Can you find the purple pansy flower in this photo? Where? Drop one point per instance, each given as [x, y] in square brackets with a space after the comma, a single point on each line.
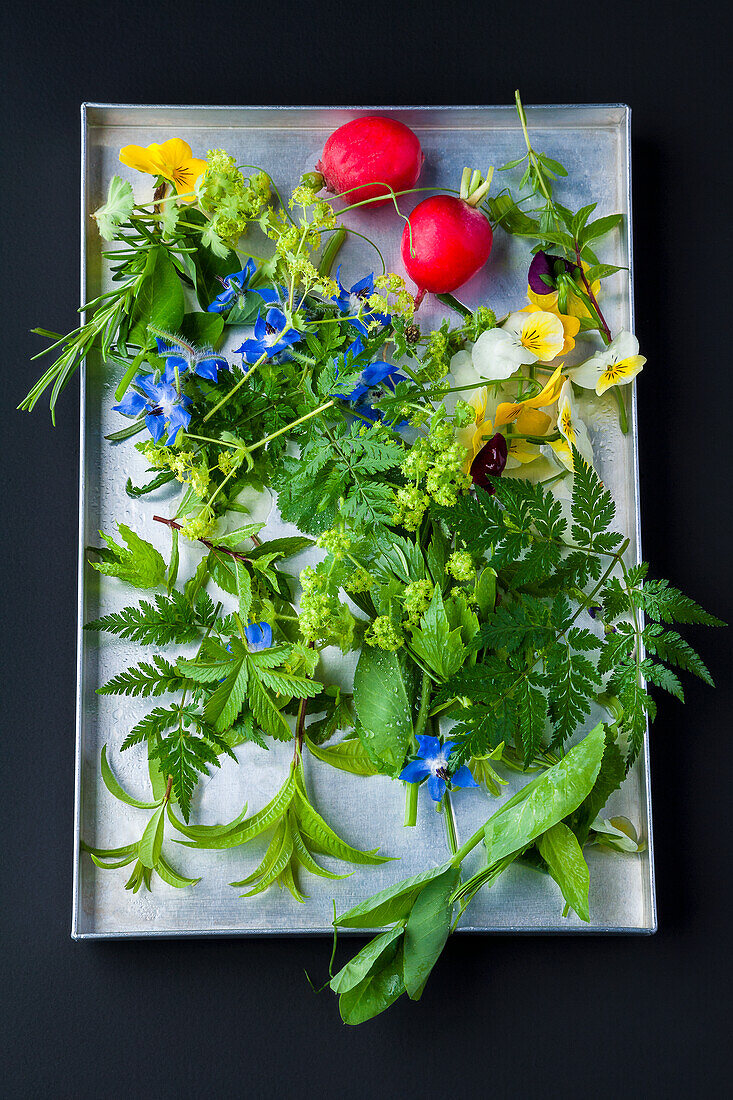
[236, 285]
[259, 636]
[432, 764]
[164, 408]
[542, 268]
[354, 302]
[489, 462]
[270, 337]
[181, 357]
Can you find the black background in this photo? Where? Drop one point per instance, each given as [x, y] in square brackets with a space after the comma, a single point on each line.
[601, 1017]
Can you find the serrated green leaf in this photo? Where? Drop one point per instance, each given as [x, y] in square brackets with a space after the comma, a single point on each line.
[348, 756]
[140, 564]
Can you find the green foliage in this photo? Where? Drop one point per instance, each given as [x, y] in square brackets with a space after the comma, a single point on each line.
[172, 618]
[140, 564]
[383, 709]
[565, 862]
[159, 298]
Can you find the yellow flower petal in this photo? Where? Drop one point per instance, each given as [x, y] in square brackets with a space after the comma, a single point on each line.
[143, 160]
[175, 152]
[532, 421]
[618, 374]
[521, 452]
[542, 334]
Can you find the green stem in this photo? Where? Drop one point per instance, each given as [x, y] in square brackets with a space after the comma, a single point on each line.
[242, 380]
[294, 424]
[453, 303]
[331, 251]
[411, 790]
[622, 421]
[423, 713]
[450, 823]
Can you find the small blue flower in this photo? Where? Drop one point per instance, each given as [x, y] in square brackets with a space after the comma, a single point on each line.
[259, 636]
[237, 284]
[375, 376]
[182, 357]
[354, 303]
[164, 408]
[432, 764]
[270, 337]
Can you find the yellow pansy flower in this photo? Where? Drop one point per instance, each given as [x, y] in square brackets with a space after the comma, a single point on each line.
[510, 411]
[172, 160]
[570, 324]
[475, 434]
[521, 452]
[570, 426]
[615, 365]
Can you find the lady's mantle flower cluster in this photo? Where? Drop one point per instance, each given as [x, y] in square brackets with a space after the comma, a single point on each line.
[324, 619]
[181, 463]
[230, 199]
[437, 460]
[384, 634]
[415, 603]
[461, 566]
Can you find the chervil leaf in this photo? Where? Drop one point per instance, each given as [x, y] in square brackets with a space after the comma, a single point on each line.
[592, 508]
[661, 601]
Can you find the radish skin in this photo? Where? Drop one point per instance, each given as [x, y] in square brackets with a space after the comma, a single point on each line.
[446, 241]
[367, 152]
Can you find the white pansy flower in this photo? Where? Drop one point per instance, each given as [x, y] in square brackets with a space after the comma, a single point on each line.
[524, 338]
[571, 428]
[615, 365]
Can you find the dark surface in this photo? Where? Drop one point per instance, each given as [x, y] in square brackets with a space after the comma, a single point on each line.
[504, 1017]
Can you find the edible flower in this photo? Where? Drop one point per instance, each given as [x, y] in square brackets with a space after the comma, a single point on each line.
[354, 303]
[259, 636]
[523, 338]
[181, 357]
[432, 764]
[273, 334]
[477, 431]
[571, 427]
[172, 160]
[546, 297]
[615, 365]
[236, 285]
[489, 462]
[373, 376]
[529, 420]
[165, 409]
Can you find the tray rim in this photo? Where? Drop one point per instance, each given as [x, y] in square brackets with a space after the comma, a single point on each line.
[86, 109]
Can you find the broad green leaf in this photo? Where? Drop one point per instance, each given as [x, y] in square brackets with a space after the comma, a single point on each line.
[172, 877]
[151, 841]
[117, 209]
[140, 564]
[383, 708]
[562, 854]
[266, 714]
[381, 988]
[427, 930]
[486, 590]
[203, 330]
[119, 792]
[366, 960]
[441, 648]
[391, 904]
[232, 540]
[159, 300]
[545, 800]
[348, 756]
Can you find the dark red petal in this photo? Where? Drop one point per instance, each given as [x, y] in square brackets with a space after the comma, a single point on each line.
[490, 461]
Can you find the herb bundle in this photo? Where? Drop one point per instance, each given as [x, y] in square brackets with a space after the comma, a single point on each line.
[464, 544]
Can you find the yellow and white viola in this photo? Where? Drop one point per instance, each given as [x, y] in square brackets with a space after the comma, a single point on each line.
[476, 432]
[523, 339]
[615, 365]
[572, 429]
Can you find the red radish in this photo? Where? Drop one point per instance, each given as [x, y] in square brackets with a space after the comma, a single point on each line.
[367, 152]
[447, 239]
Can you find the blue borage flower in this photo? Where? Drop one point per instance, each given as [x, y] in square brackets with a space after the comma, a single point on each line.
[164, 408]
[259, 636]
[235, 287]
[181, 357]
[270, 337]
[354, 303]
[374, 375]
[432, 764]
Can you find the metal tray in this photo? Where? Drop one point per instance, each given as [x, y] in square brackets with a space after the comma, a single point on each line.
[593, 142]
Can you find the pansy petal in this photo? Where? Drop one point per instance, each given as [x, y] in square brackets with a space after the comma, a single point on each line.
[587, 374]
[532, 421]
[620, 374]
[142, 160]
[497, 355]
[542, 334]
[623, 346]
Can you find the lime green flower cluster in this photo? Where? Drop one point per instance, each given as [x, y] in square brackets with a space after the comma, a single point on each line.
[391, 296]
[324, 619]
[230, 199]
[200, 526]
[384, 634]
[182, 463]
[336, 540]
[438, 461]
[460, 565]
[295, 242]
[481, 320]
[415, 602]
